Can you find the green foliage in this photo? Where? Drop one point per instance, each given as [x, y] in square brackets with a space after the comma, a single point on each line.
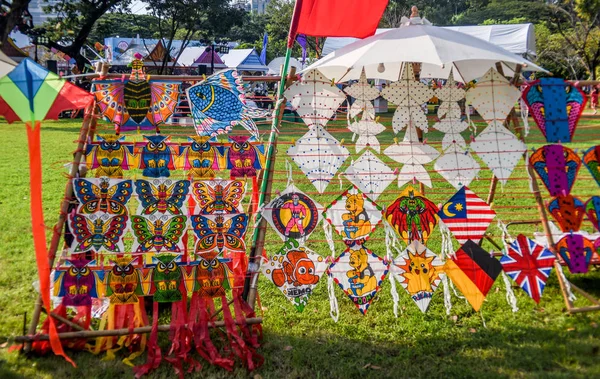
[124, 25]
[501, 11]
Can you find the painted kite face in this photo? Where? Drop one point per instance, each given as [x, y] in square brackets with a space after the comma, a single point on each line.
[156, 143]
[110, 142]
[240, 144]
[78, 283]
[167, 278]
[200, 143]
[123, 282]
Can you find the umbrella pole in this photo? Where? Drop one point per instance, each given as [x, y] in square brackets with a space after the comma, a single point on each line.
[57, 230]
[258, 238]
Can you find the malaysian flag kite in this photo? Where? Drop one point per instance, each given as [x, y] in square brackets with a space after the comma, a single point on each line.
[529, 265]
[466, 215]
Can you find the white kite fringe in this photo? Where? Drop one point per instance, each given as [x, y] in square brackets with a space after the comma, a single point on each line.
[334, 309]
[524, 117]
[446, 250]
[568, 289]
[447, 296]
[391, 241]
[510, 295]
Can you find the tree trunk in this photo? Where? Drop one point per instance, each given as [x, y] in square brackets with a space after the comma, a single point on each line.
[12, 18]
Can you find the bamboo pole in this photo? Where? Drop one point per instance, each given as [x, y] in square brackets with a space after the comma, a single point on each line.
[64, 320]
[89, 123]
[121, 332]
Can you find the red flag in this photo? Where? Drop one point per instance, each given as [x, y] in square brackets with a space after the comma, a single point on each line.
[336, 18]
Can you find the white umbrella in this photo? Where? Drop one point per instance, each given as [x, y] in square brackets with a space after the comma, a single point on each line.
[437, 48]
[6, 64]
[275, 65]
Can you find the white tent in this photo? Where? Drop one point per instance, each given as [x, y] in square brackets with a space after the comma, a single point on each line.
[6, 64]
[516, 38]
[244, 60]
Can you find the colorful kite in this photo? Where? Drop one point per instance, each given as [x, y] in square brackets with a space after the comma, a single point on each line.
[136, 103]
[98, 232]
[293, 214]
[366, 129]
[296, 271]
[556, 107]
[592, 210]
[557, 166]
[315, 98]
[499, 149]
[591, 158]
[370, 175]
[457, 166]
[413, 154]
[219, 232]
[244, 156]
[319, 155]
[353, 215]
[363, 93]
[156, 233]
[162, 196]
[219, 103]
[218, 196]
[529, 265]
[412, 216]
[473, 270]
[77, 282]
[156, 156]
[359, 273]
[408, 94]
[493, 96]
[419, 271]
[466, 215]
[577, 251]
[102, 195]
[201, 157]
[31, 93]
[568, 211]
[109, 156]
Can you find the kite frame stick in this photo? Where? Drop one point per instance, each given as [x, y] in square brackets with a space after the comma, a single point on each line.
[88, 126]
[121, 332]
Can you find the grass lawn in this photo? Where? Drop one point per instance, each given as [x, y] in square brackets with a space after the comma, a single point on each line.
[537, 341]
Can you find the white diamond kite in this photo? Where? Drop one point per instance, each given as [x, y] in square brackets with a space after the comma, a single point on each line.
[449, 114]
[319, 155]
[314, 98]
[499, 149]
[494, 96]
[408, 94]
[363, 93]
[457, 166]
[370, 175]
[419, 271]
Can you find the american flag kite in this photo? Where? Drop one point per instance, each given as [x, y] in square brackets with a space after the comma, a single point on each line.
[529, 265]
[466, 215]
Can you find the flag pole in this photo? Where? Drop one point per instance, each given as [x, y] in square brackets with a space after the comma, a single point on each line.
[258, 237]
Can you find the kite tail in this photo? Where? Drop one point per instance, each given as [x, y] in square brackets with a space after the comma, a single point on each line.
[154, 353]
[334, 310]
[447, 298]
[510, 295]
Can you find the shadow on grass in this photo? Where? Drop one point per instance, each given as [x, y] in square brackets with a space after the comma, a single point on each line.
[487, 352]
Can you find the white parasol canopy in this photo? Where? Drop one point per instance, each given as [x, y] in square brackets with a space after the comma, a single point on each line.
[437, 48]
[275, 65]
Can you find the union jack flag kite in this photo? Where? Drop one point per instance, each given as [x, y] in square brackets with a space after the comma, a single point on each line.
[529, 265]
[466, 215]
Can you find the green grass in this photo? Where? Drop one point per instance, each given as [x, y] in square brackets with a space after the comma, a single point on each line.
[539, 340]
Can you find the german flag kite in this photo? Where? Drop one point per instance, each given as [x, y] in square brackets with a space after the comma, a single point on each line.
[473, 271]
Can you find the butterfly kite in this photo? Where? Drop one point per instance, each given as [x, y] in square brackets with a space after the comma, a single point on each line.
[158, 233]
[136, 103]
[556, 107]
[103, 195]
[162, 196]
[219, 103]
[218, 196]
[98, 232]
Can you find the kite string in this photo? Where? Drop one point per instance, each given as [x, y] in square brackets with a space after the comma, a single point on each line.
[334, 310]
[391, 241]
[447, 249]
[568, 289]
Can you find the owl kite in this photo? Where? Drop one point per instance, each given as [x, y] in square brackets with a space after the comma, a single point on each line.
[109, 156]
